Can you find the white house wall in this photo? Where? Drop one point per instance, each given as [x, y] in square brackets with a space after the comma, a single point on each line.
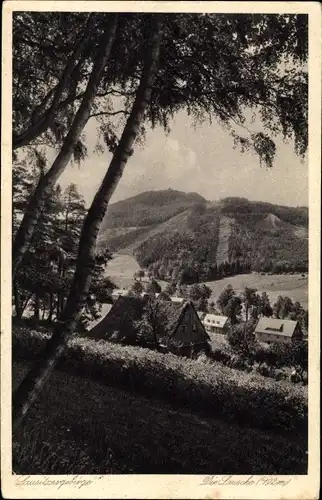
[271, 337]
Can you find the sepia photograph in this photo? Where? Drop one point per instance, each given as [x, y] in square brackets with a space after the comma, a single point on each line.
[160, 243]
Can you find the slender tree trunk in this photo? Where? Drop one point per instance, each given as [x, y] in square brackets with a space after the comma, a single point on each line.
[61, 302]
[61, 272]
[58, 306]
[29, 221]
[67, 211]
[51, 307]
[32, 385]
[36, 308]
[46, 117]
[18, 309]
[25, 304]
[66, 219]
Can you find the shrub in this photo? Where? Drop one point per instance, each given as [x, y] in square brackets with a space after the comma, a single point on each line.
[220, 354]
[27, 343]
[279, 375]
[241, 338]
[295, 377]
[209, 387]
[263, 355]
[263, 370]
[237, 362]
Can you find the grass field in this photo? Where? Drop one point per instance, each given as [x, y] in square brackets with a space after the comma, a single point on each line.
[80, 426]
[121, 269]
[294, 286]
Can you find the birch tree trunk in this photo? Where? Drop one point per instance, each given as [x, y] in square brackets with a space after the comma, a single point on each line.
[32, 385]
[46, 183]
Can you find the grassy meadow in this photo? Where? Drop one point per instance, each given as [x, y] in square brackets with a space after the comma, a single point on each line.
[121, 269]
[120, 409]
[81, 426]
[295, 286]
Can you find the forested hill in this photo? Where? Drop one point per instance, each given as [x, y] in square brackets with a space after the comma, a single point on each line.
[182, 236]
[148, 208]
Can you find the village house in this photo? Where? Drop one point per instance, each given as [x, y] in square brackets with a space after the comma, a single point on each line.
[215, 323]
[142, 279]
[177, 326]
[177, 300]
[119, 292]
[270, 330]
[146, 294]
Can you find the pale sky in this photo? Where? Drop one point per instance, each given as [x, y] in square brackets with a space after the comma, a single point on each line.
[202, 160]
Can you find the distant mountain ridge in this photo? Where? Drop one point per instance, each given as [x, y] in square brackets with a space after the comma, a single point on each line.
[173, 233]
[148, 208]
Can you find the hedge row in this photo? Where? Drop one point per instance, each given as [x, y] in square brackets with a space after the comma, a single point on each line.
[201, 384]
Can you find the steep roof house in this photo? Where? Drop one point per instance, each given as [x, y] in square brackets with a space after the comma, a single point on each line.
[187, 335]
[118, 325]
[277, 330]
[177, 327]
[214, 323]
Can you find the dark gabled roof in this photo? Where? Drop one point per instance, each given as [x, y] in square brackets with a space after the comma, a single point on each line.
[104, 311]
[120, 323]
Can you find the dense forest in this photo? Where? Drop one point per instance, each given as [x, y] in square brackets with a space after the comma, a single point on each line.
[187, 255]
[260, 240]
[276, 252]
[42, 284]
[244, 210]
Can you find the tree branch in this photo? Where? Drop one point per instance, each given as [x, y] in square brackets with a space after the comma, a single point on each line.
[43, 46]
[110, 113]
[70, 99]
[47, 117]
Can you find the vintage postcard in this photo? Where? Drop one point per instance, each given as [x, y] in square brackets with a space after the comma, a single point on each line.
[160, 250]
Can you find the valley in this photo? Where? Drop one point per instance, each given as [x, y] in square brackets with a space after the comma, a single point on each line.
[122, 267]
[184, 238]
